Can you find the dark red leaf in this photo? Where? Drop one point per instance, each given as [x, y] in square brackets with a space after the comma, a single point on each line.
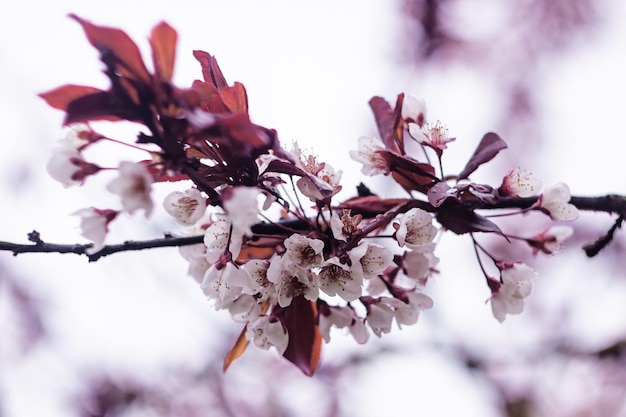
[163, 42]
[61, 97]
[101, 105]
[283, 167]
[210, 69]
[384, 116]
[410, 174]
[371, 205]
[305, 341]
[459, 219]
[438, 193]
[488, 148]
[111, 40]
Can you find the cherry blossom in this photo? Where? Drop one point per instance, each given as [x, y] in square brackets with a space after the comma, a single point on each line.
[408, 312]
[519, 183]
[245, 308]
[321, 181]
[336, 278]
[434, 136]
[218, 239]
[290, 281]
[508, 295]
[241, 206]
[266, 332]
[413, 110]
[555, 201]
[369, 154]
[342, 317]
[419, 264]
[304, 252]
[224, 283]
[371, 258]
[380, 316]
[67, 164]
[346, 225]
[187, 207]
[134, 185]
[94, 225]
[549, 241]
[258, 284]
[415, 228]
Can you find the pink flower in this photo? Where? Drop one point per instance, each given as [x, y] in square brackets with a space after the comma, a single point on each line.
[94, 225]
[519, 183]
[415, 228]
[549, 241]
[434, 136]
[555, 201]
[508, 295]
[134, 185]
[369, 154]
[187, 207]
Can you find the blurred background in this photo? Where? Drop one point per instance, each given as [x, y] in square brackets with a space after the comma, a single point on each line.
[132, 335]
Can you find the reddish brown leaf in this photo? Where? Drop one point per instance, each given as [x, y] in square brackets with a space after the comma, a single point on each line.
[372, 205]
[210, 69]
[61, 97]
[236, 351]
[305, 341]
[101, 105]
[459, 219]
[235, 98]
[488, 148]
[163, 42]
[410, 174]
[111, 40]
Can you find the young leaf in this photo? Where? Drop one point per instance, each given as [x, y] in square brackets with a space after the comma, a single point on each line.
[488, 148]
[210, 69]
[111, 40]
[61, 97]
[163, 42]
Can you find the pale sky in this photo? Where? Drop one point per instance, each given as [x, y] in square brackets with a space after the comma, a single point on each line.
[309, 70]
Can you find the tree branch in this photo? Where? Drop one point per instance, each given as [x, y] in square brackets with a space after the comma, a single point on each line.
[612, 204]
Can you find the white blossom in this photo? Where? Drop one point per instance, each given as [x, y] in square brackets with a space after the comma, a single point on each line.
[242, 208]
[380, 317]
[290, 281]
[217, 238]
[515, 286]
[413, 109]
[303, 251]
[336, 278]
[369, 154]
[555, 200]
[342, 317]
[224, 284]
[407, 313]
[134, 185]
[519, 183]
[415, 228]
[266, 332]
[94, 225]
[187, 207]
[372, 259]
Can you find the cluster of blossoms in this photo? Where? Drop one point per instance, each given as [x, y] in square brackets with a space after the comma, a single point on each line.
[292, 276]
